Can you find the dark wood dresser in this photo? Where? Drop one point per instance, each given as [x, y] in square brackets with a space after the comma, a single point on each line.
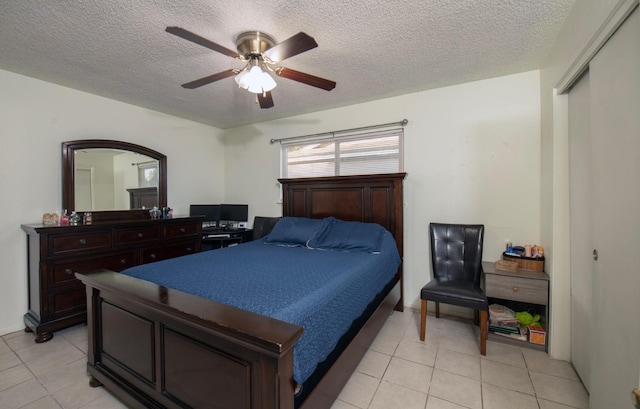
[55, 253]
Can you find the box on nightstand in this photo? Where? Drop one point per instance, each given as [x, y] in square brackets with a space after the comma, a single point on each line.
[526, 263]
[504, 265]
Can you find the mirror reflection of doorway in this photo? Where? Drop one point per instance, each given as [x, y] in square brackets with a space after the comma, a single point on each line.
[84, 189]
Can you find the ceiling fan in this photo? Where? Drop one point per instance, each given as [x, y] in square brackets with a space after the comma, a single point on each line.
[261, 54]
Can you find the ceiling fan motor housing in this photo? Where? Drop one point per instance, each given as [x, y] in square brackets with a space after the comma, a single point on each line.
[253, 43]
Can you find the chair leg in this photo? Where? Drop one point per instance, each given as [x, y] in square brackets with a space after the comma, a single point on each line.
[476, 317]
[437, 309]
[423, 319]
[484, 332]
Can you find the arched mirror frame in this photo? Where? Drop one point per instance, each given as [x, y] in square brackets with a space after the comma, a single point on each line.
[68, 176]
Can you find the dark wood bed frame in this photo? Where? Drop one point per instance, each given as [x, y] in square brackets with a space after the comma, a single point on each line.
[155, 347]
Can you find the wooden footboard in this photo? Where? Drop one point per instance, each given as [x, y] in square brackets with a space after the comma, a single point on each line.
[156, 347]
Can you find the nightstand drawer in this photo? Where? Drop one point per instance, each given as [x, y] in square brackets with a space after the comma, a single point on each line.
[517, 289]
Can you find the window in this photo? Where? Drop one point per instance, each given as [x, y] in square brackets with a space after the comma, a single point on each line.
[370, 153]
[148, 174]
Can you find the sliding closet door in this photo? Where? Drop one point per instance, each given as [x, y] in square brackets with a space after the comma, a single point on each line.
[581, 190]
[615, 134]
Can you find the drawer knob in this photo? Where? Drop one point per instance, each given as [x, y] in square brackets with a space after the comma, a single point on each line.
[123, 261]
[516, 289]
[182, 230]
[68, 271]
[152, 255]
[140, 235]
[189, 249]
[83, 241]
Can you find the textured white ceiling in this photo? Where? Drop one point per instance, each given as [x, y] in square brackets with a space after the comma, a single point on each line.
[372, 49]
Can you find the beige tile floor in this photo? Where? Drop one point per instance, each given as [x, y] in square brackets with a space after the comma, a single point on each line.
[398, 372]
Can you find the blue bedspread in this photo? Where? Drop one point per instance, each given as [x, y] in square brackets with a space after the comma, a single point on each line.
[321, 290]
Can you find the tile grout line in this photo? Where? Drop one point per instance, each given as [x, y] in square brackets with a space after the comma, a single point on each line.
[35, 377]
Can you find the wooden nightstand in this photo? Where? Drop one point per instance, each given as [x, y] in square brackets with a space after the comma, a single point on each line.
[519, 291]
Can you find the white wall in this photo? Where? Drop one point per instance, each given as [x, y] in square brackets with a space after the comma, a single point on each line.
[36, 117]
[472, 155]
[583, 24]
[126, 177]
[101, 185]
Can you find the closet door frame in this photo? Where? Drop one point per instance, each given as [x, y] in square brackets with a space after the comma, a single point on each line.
[581, 220]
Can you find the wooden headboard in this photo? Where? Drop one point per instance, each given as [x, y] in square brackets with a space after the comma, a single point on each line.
[363, 198]
[366, 198]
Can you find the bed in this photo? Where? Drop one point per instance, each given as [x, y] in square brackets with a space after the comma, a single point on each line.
[153, 345]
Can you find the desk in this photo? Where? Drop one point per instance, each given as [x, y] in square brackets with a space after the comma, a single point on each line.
[216, 239]
[519, 291]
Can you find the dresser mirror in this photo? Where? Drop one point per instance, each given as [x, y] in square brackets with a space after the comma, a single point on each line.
[112, 179]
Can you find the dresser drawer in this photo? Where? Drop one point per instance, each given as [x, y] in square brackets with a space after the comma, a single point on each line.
[63, 303]
[517, 289]
[169, 251]
[173, 231]
[80, 242]
[138, 235]
[64, 272]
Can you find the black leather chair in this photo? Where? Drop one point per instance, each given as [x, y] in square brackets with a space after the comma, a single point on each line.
[263, 226]
[456, 260]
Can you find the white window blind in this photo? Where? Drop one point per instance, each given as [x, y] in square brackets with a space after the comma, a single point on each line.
[361, 154]
[148, 174]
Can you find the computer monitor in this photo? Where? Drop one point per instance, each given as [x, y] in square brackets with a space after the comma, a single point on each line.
[210, 212]
[236, 213]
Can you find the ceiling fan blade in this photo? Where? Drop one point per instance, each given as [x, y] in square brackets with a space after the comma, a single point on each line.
[188, 35]
[295, 45]
[209, 79]
[306, 78]
[265, 99]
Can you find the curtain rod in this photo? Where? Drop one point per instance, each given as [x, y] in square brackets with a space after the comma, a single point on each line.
[143, 163]
[363, 128]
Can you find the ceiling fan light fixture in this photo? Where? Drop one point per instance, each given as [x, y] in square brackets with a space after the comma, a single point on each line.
[255, 80]
[260, 52]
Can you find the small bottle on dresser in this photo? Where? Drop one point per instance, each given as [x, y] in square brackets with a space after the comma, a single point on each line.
[64, 219]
